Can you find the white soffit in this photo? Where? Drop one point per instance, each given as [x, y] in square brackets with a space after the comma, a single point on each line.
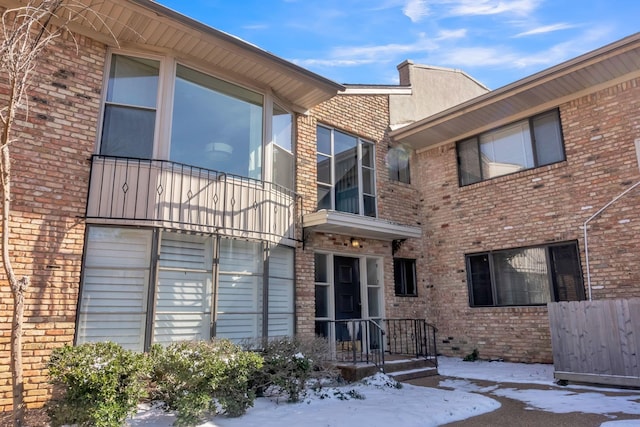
[616, 62]
[327, 221]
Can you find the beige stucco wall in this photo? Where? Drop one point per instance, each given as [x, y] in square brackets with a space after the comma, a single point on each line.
[433, 89]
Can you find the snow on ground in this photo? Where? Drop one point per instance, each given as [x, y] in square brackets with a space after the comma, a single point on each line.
[424, 406]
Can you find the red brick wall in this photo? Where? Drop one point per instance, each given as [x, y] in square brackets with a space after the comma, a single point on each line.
[535, 207]
[366, 116]
[50, 178]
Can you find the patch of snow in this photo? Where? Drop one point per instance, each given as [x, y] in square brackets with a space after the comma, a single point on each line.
[500, 372]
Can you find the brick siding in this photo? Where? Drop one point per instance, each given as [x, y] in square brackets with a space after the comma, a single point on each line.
[534, 207]
[50, 181]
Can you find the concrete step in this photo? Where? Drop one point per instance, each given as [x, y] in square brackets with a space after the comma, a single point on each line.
[411, 374]
[391, 366]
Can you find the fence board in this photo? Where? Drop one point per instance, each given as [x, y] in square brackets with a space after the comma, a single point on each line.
[597, 340]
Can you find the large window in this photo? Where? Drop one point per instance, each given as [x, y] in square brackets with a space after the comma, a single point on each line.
[527, 144]
[162, 109]
[346, 172]
[525, 276]
[135, 299]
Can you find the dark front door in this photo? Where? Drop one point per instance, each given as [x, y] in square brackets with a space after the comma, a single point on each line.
[347, 293]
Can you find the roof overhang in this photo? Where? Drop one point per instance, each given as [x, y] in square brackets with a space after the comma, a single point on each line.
[616, 62]
[328, 221]
[145, 24]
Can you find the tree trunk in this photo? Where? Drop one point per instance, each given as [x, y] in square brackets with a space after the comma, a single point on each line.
[18, 286]
[16, 351]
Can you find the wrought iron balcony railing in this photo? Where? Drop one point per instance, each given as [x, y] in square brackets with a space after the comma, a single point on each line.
[173, 195]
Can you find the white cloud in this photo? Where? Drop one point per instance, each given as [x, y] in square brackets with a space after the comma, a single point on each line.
[546, 29]
[452, 34]
[472, 57]
[386, 51]
[493, 7]
[255, 27]
[415, 10]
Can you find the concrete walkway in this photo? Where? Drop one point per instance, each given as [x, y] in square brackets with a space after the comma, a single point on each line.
[514, 413]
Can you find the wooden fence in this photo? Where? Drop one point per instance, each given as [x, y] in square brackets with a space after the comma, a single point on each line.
[596, 341]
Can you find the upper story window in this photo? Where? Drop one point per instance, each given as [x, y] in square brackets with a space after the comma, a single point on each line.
[526, 144]
[156, 108]
[346, 172]
[398, 164]
[525, 276]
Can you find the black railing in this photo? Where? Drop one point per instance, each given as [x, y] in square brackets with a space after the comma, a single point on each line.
[175, 195]
[354, 340]
[411, 337]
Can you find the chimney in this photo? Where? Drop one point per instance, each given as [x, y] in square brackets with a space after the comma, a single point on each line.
[404, 71]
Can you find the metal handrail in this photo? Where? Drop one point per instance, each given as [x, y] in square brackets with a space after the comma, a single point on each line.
[411, 337]
[176, 195]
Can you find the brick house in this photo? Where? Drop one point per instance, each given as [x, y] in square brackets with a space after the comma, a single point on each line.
[508, 180]
[188, 185]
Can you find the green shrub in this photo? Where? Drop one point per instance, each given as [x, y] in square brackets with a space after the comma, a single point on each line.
[286, 368]
[96, 384]
[201, 379]
[472, 357]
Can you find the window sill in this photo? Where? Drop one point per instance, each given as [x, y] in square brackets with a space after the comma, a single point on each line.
[514, 176]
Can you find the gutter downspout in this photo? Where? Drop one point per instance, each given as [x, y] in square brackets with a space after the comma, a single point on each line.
[586, 243]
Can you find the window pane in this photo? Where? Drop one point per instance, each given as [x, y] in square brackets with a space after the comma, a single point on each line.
[281, 127]
[374, 302]
[567, 276]
[324, 169]
[346, 181]
[324, 140]
[369, 206]
[216, 125]
[343, 143]
[322, 301]
[115, 283]
[240, 293]
[398, 164]
[133, 81]
[281, 284]
[128, 132]
[480, 277]
[506, 150]
[321, 275]
[282, 168]
[367, 154]
[324, 197]
[372, 272]
[468, 157]
[521, 277]
[546, 130]
[184, 288]
[368, 187]
[282, 155]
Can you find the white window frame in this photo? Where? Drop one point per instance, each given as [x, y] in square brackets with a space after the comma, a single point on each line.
[360, 167]
[164, 106]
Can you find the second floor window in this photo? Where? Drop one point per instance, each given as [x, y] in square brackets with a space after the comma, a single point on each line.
[346, 172]
[156, 108]
[526, 144]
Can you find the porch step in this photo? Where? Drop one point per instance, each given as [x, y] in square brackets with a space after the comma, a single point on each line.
[408, 369]
[412, 374]
[399, 369]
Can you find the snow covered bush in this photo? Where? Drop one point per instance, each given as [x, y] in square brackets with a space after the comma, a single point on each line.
[286, 368]
[95, 384]
[203, 378]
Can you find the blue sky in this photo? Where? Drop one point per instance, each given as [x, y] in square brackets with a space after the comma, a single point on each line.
[362, 41]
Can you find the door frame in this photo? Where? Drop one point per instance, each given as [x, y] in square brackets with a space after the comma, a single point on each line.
[363, 288]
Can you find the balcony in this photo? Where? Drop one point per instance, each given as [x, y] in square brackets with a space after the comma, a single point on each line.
[171, 195]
